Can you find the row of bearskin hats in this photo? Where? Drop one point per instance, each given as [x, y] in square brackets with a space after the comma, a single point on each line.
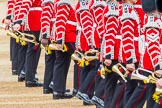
[151, 5]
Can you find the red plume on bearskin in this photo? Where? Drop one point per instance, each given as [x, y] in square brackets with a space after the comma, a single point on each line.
[159, 5]
[148, 5]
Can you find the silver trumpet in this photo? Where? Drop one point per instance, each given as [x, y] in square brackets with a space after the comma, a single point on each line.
[89, 57]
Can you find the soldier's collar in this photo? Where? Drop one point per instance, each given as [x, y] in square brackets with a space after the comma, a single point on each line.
[128, 5]
[113, 3]
[155, 15]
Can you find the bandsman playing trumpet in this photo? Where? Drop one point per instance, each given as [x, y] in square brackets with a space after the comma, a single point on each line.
[130, 29]
[31, 11]
[112, 43]
[152, 51]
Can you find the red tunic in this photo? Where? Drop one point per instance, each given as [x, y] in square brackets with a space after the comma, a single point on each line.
[130, 30]
[152, 32]
[46, 18]
[31, 11]
[96, 9]
[111, 37]
[85, 26]
[65, 23]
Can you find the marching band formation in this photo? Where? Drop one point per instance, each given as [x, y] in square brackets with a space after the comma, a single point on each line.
[115, 45]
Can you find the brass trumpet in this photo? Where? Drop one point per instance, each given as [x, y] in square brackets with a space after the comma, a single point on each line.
[12, 34]
[52, 46]
[78, 56]
[27, 37]
[116, 69]
[88, 55]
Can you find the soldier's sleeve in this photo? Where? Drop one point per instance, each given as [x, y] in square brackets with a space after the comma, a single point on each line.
[24, 10]
[10, 10]
[109, 36]
[62, 14]
[97, 11]
[47, 13]
[152, 31]
[127, 31]
[87, 25]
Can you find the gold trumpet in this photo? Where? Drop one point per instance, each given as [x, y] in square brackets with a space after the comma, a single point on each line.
[78, 56]
[12, 34]
[116, 68]
[27, 37]
[52, 46]
[88, 55]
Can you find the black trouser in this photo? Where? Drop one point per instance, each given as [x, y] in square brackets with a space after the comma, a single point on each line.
[117, 101]
[14, 54]
[99, 87]
[138, 97]
[61, 67]
[114, 89]
[76, 83]
[88, 74]
[135, 93]
[49, 66]
[31, 59]
[21, 58]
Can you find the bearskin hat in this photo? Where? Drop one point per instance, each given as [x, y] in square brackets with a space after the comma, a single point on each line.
[159, 5]
[148, 5]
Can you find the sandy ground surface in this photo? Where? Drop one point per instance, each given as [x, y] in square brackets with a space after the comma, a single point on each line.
[16, 95]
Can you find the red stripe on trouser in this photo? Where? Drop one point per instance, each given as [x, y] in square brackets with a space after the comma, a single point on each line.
[90, 86]
[140, 96]
[78, 77]
[119, 98]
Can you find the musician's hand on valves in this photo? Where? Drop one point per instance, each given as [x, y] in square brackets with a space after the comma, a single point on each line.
[44, 42]
[107, 62]
[130, 67]
[158, 73]
[16, 27]
[59, 46]
[159, 83]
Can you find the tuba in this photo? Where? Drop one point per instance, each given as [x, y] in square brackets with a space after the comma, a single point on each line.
[116, 68]
[91, 55]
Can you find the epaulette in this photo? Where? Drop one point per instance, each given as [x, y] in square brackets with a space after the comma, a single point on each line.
[47, 1]
[68, 2]
[127, 14]
[112, 11]
[151, 22]
[98, 3]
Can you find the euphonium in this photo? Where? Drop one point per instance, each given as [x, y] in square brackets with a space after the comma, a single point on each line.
[89, 55]
[78, 56]
[116, 69]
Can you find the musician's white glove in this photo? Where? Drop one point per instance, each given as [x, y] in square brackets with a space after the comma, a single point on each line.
[16, 27]
[107, 62]
[44, 42]
[159, 83]
[130, 67]
[6, 23]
